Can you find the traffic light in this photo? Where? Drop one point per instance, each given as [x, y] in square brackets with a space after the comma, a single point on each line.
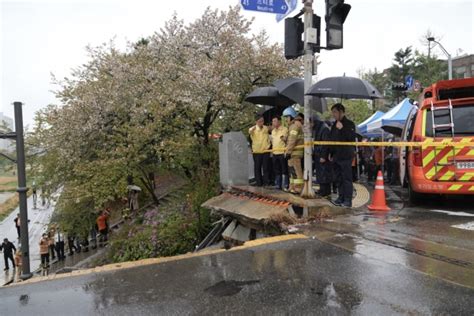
[336, 13]
[294, 43]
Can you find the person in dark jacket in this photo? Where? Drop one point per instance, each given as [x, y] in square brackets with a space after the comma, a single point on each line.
[17, 224]
[322, 164]
[8, 248]
[343, 130]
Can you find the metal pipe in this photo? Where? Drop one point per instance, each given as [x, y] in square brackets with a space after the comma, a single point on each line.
[22, 189]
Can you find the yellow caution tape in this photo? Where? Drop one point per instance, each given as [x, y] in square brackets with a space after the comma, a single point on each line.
[426, 143]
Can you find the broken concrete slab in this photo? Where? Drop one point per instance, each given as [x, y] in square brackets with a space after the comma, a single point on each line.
[315, 207]
[251, 213]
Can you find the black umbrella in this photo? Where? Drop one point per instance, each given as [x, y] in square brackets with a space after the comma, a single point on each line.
[397, 131]
[268, 96]
[293, 88]
[344, 88]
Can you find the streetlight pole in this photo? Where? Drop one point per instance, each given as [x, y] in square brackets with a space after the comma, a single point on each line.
[22, 189]
[450, 62]
[308, 191]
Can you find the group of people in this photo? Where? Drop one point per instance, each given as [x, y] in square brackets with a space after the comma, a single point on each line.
[278, 150]
[51, 245]
[375, 159]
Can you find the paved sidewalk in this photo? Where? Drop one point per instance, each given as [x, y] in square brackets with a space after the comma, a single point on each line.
[39, 220]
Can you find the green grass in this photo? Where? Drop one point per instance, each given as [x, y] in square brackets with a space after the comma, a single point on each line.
[9, 206]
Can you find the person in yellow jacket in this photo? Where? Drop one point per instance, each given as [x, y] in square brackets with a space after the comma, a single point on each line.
[280, 165]
[294, 155]
[260, 137]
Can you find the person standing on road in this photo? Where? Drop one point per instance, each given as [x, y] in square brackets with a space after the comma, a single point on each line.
[44, 250]
[8, 247]
[17, 224]
[322, 164]
[343, 130]
[293, 154]
[280, 166]
[260, 137]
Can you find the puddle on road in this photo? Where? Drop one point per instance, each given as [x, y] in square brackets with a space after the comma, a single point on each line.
[228, 288]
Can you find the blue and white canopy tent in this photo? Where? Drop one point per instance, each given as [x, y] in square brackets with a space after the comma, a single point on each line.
[362, 127]
[394, 120]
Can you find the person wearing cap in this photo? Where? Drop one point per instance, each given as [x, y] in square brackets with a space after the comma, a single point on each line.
[294, 154]
[280, 165]
[259, 134]
[343, 130]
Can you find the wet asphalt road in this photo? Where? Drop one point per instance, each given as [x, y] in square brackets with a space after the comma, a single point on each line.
[410, 261]
[300, 277]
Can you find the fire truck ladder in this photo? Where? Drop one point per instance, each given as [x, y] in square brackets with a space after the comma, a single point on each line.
[438, 128]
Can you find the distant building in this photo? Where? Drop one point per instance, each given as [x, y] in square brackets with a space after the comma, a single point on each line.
[463, 66]
[6, 122]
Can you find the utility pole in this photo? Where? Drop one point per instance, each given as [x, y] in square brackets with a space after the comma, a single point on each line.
[308, 191]
[22, 189]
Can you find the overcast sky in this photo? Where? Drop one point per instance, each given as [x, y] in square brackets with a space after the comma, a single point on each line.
[40, 37]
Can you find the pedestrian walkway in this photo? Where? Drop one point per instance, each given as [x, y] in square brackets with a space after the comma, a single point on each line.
[39, 220]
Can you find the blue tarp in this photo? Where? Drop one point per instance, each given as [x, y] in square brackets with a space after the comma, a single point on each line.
[362, 127]
[394, 118]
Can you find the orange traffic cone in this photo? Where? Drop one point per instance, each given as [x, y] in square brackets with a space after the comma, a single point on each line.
[378, 202]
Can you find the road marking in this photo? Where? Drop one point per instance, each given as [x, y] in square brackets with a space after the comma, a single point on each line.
[454, 213]
[466, 226]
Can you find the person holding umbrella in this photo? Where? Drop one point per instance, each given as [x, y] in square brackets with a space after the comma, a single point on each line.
[343, 130]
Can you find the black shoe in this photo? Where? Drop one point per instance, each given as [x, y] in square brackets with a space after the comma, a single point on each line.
[6, 269]
[337, 202]
[347, 204]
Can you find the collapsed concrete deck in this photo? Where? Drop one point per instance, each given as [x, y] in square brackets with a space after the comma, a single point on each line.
[256, 207]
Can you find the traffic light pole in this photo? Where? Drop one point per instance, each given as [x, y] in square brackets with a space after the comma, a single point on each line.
[308, 191]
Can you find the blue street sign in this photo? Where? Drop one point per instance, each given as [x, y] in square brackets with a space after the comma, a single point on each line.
[409, 81]
[292, 4]
[268, 6]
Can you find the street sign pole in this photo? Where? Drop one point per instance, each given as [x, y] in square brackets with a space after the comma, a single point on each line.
[308, 191]
[22, 189]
